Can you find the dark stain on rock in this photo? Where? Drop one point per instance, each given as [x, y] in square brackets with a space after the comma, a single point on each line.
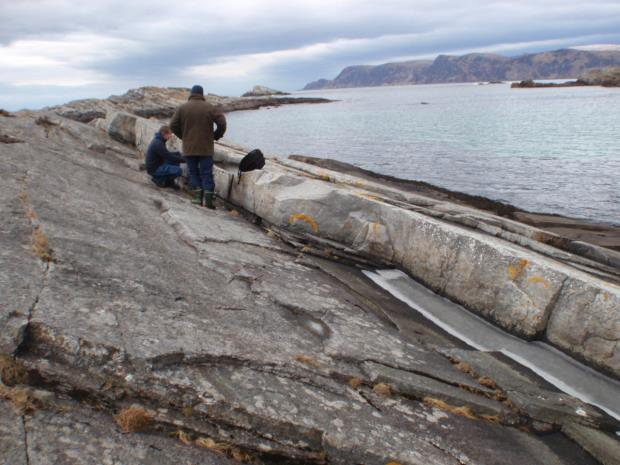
[7, 139]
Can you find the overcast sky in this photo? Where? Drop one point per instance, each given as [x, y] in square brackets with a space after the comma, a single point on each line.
[52, 51]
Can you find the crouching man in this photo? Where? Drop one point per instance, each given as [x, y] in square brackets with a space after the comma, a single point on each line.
[161, 164]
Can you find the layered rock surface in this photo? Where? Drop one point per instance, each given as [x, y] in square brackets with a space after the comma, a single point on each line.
[566, 233]
[505, 271]
[236, 346]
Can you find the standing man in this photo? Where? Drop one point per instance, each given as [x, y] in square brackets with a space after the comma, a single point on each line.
[162, 165]
[193, 123]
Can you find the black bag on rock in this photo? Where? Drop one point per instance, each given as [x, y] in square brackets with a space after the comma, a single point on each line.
[254, 160]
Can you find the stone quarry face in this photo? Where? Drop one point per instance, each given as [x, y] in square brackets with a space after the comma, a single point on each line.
[229, 345]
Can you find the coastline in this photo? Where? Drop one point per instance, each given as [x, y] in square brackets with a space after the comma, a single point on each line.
[525, 155]
[160, 103]
[598, 233]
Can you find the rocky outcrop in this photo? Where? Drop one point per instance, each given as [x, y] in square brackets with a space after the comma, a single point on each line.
[569, 234]
[139, 328]
[160, 103]
[487, 271]
[530, 84]
[607, 77]
[510, 273]
[263, 91]
[474, 67]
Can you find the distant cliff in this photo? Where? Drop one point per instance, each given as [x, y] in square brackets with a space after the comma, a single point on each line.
[473, 67]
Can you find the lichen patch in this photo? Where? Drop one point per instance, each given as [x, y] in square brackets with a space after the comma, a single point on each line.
[133, 419]
[40, 245]
[463, 410]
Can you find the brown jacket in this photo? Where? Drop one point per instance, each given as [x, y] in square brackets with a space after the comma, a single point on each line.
[193, 124]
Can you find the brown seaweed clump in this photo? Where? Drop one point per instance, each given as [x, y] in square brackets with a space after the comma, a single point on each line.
[133, 419]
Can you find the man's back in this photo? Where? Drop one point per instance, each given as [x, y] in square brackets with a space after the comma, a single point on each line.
[157, 154]
[193, 124]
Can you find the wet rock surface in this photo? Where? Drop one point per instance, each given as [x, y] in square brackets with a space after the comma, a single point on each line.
[236, 346]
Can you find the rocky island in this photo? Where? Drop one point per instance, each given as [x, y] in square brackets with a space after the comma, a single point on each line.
[263, 91]
[138, 328]
[606, 77]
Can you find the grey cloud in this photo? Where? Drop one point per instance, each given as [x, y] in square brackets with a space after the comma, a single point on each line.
[174, 36]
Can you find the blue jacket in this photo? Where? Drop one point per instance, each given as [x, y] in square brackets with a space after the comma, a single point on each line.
[157, 154]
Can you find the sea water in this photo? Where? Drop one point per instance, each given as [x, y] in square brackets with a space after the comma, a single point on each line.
[553, 150]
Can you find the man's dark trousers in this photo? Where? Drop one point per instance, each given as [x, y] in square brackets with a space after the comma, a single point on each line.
[201, 172]
[166, 173]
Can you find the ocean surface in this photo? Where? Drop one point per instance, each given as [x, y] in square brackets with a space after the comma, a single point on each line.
[554, 150]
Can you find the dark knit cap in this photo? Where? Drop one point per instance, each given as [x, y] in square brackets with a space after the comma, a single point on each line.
[197, 90]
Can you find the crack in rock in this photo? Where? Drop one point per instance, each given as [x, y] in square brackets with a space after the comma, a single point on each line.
[26, 447]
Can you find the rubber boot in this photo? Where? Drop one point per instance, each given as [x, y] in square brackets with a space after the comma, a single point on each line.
[209, 200]
[197, 196]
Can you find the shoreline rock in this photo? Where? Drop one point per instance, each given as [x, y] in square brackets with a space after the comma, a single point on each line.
[160, 103]
[232, 345]
[486, 271]
[601, 234]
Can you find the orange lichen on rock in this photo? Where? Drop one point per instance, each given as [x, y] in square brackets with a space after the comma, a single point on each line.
[19, 397]
[307, 360]
[539, 280]
[515, 271]
[465, 368]
[133, 419]
[226, 449]
[208, 443]
[306, 218]
[382, 389]
[40, 245]
[488, 382]
[12, 371]
[183, 437]
[463, 411]
[354, 382]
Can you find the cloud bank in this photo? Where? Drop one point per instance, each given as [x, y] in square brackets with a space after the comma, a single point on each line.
[53, 51]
